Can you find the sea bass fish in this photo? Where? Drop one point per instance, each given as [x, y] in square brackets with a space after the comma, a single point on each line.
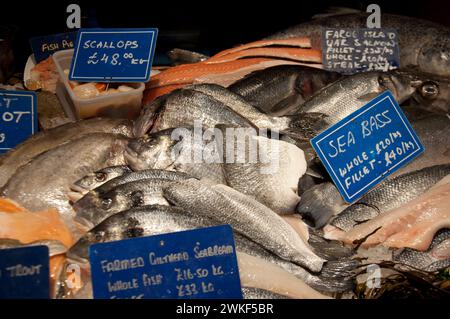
[93, 208]
[412, 225]
[46, 140]
[246, 216]
[45, 181]
[423, 44]
[281, 90]
[435, 258]
[388, 195]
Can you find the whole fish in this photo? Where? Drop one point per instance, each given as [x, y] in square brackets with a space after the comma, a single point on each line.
[388, 195]
[45, 181]
[92, 210]
[435, 258]
[46, 140]
[178, 149]
[98, 178]
[423, 44]
[246, 216]
[210, 105]
[348, 94]
[281, 90]
[154, 220]
[265, 168]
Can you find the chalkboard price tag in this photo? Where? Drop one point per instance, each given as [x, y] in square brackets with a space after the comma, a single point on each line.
[24, 273]
[18, 118]
[367, 146]
[113, 55]
[45, 46]
[194, 264]
[350, 51]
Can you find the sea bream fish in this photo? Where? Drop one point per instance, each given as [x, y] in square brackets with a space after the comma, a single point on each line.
[389, 194]
[46, 140]
[45, 181]
[281, 90]
[423, 44]
[156, 219]
[95, 207]
[98, 178]
[247, 216]
[182, 149]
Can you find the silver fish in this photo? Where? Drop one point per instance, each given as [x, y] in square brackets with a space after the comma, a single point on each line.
[423, 44]
[281, 90]
[45, 181]
[434, 259]
[390, 194]
[257, 293]
[46, 140]
[346, 95]
[92, 210]
[98, 178]
[179, 149]
[247, 216]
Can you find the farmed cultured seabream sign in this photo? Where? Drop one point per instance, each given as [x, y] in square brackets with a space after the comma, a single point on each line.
[113, 55]
[195, 264]
[18, 118]
[366, 146]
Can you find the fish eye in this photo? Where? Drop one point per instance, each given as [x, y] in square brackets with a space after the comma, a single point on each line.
[99, 236]
[137, 198]
[100, 177]
[429, 90]
[106, 203]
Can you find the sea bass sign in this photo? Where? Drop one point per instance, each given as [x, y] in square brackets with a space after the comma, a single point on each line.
[113, 55]
[367, 146]
[194, 264]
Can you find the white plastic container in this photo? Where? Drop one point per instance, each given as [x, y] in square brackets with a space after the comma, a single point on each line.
[117, 105]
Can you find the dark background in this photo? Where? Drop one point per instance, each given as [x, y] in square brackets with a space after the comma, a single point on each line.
[207, 26]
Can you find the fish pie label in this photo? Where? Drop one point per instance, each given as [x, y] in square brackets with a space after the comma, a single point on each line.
[367, 146]
[45, 46]
[194, 264]
[24, 273]
[18, 118]
[349, 51]
[113, 55]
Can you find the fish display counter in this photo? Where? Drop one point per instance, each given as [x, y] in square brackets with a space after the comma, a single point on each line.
[307, 163]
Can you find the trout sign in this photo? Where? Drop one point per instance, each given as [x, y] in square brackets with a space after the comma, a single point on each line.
[18, 118]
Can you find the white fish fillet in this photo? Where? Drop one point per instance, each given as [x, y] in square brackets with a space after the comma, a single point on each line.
[257, 273]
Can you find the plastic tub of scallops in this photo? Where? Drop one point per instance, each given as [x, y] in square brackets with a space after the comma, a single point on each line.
[85, 100]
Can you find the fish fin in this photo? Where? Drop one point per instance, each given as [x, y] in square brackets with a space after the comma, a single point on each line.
[335, 11]
[328, 249]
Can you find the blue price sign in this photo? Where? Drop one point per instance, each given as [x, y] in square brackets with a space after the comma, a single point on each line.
[24, 273]
[18, 118]
[45, 46]
[366, 146]
[113, 55]
[194, 264]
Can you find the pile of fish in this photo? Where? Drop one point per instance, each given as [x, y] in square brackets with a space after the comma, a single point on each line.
[295, 237]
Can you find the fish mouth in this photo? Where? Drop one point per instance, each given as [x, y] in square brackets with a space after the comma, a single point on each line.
[75, 195]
